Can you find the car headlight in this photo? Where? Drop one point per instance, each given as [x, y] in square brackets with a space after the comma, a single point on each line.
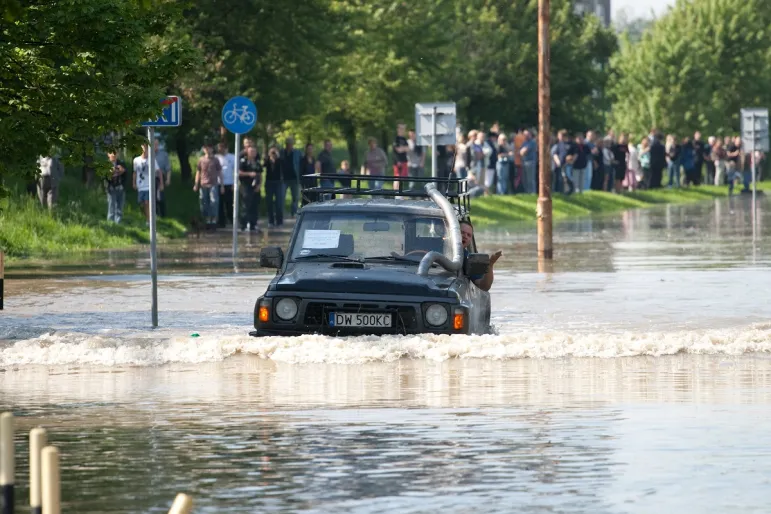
[436, 315]
[286, 309]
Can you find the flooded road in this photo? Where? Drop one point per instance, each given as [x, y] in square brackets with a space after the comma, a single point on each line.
[634, 377]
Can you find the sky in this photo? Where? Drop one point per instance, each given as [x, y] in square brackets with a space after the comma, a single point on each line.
[640, 7]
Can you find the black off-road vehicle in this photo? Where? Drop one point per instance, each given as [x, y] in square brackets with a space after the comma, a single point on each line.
[376, 261]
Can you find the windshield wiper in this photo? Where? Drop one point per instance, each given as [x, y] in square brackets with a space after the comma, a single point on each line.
[327, 256]
[397, 258]
[391, 258]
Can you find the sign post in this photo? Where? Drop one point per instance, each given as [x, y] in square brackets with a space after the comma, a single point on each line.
[239, 114]
[171, 116]
[435, 125]
[754, 129]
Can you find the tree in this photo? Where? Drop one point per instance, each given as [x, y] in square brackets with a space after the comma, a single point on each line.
[492, 69]
[694, 69]
[385, 67]
[271, 52]
[74, 71]
[634, 28]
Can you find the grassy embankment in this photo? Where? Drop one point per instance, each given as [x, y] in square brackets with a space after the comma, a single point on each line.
[79, 223]
[499, 210]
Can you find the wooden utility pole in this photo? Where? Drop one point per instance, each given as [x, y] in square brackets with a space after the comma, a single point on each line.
[544, 211]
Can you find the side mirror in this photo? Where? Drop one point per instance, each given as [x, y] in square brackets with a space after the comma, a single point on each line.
[476, 264]
[271, 257]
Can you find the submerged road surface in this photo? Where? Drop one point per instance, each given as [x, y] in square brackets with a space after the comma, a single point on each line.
[634, 378]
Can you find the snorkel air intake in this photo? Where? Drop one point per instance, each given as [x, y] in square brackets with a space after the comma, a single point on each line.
[430, 258]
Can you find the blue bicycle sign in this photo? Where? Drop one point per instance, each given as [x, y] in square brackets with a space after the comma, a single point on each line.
[239, 115]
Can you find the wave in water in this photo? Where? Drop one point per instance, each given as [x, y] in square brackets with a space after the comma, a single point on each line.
[72, 348]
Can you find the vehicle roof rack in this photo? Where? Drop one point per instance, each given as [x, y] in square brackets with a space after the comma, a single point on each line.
[454, 189]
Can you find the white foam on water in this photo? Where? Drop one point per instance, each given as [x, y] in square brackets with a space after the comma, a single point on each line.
[71, 348]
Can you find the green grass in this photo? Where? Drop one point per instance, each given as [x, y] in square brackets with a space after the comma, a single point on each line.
[78, 223]
[498, 210]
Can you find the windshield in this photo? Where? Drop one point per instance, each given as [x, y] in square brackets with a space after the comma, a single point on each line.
[369, 236]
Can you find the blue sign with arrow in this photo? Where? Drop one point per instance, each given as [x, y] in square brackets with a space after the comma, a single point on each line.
[171, 116]
[239, 115]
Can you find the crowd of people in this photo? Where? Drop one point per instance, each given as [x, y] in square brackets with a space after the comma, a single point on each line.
[492, 162]
[497, 163]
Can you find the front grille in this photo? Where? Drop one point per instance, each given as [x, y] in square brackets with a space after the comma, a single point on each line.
[405, 315]
[314, 312]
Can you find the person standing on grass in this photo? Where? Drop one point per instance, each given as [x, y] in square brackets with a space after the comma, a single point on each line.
[273, 187]
[644, 155]
[504, 165]
[51, 173]
[580, 162]
[325, 163]
[687, 161]
[375, 162]
[250, 182]
[141, 180]
[162, 160]
[401, 148]
[228, 162]
[291, 160]
[116, 189]
[208, 184]
[529, 154]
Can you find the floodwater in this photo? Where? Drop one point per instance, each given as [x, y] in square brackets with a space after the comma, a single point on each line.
[632, 376]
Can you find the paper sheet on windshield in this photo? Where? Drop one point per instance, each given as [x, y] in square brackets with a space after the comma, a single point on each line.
[321, 239]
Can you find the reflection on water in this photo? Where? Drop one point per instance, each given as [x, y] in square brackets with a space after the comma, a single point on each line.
[635, 378]
[248, 435]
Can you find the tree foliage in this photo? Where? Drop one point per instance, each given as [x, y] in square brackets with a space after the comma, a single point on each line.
[393, 49]
[75, 70]
[269, 51]
[481, 54]
[695, 68]
[493, 70]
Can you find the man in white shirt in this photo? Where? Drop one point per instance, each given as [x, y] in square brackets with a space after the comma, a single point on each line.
[141, 180]
[228, 163]
[51, 172]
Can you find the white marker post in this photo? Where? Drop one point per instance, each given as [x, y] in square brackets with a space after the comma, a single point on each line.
[37, 441]
[235, 196]
[51, 488]
[7, 463]
[153, 235]
[183, 504]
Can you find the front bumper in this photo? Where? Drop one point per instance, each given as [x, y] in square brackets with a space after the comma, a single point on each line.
[407, 316]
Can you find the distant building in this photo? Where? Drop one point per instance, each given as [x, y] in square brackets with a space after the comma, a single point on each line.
[599, 7]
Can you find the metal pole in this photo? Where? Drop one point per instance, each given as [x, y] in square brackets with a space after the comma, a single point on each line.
[235, 196]
[754, 185]
[544, 208]
[433, 143]
[153, 260]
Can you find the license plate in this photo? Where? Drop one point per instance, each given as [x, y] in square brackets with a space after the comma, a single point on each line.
[344, 319]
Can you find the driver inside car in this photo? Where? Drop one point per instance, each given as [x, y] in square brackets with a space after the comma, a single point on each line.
[483, 282]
